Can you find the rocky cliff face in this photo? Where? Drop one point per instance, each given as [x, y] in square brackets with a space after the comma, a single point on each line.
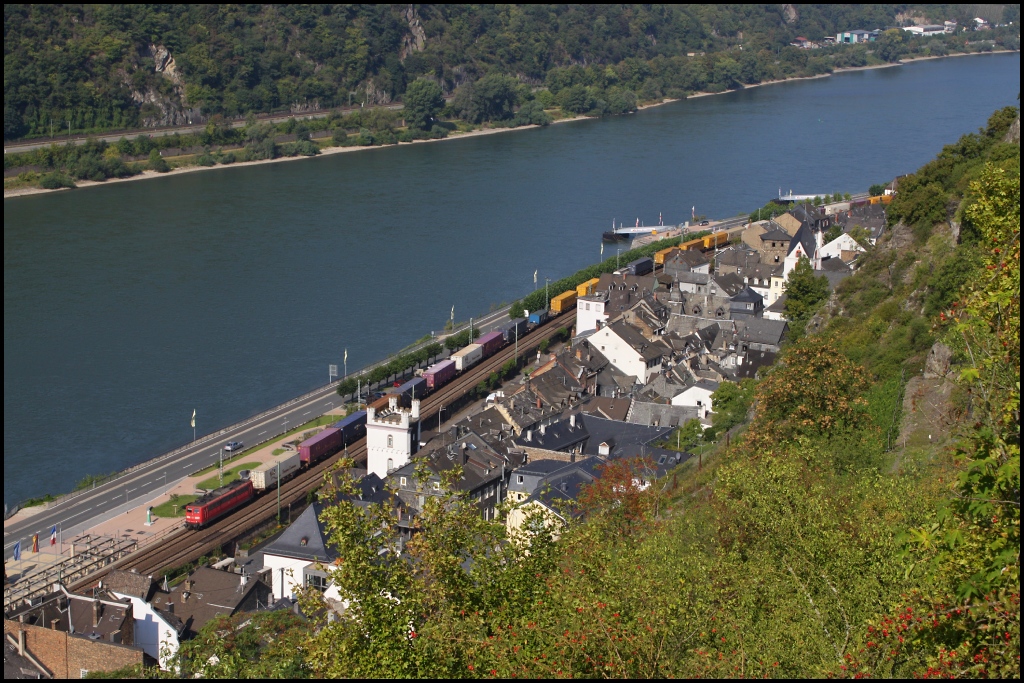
[159, 109]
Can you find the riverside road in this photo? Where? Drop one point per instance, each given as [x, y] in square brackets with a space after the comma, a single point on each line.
[80, 512]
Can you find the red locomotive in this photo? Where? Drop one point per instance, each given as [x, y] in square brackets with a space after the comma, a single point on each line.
[216, 504]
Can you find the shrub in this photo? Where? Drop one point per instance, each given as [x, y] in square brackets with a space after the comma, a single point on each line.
[157, 162]
[55, 181]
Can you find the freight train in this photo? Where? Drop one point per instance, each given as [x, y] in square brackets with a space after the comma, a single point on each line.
[216, 504]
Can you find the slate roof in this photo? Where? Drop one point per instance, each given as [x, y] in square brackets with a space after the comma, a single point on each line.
[753, 362]
[629, 334]
[763, 331]
[304, 539]
[779, 306]
[686, 260]
[211, 594]
[691, 278]
[558, 436]
[607, 407]
[776, 235]
[706, 384]
[625, 438]
[542, 467]
[747, 295]
[804, 237]
[730, 283]
[129, 583]
[740, 256]
[662, 414]
[18, 667]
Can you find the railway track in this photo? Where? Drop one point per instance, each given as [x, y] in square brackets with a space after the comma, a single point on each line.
[187, 545]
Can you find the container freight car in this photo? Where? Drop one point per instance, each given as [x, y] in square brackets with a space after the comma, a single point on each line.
[323, 445]
[216, 504]
[467, 357]
[719, 239]
[513, 330]
[587, 288]
[697, 244]
[439, 374]
[353, 427]
[491, 342]
[661, 256]
[265, 476]
[414, 388]
[642, 266]
[537, 318]
[563, 302]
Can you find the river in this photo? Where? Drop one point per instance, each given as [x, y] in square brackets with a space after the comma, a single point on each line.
[230, 290]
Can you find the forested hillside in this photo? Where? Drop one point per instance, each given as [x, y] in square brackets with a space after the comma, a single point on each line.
[88, 68]
[864, 522]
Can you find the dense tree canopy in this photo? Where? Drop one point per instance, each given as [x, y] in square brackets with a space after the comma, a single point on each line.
[101, 67]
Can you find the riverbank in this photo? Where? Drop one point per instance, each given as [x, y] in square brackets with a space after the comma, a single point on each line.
[145, 175]
[326, 151]
[850, 69]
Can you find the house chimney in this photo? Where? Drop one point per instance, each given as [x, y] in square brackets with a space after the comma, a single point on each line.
[97, 610]
[543, 430]
[529, 435]
[244, 579]
[572, 421]
[539, 406]
[21, 642]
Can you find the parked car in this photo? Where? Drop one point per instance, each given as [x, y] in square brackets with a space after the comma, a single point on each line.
[233, 446]
[705, 222]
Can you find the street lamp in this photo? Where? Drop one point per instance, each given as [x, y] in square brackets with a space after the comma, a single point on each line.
[546, 299]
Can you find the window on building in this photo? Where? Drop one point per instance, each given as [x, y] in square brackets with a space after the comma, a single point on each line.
[316, 581]
[391, 441]
[391, 463]
[402, 481]
[519, 479]
[587, 306]
[437, 486]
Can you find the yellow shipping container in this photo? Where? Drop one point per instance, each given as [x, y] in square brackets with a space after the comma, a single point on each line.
[660, 256]
[717, 240]
[564, 301]
[692, 244]
[587, 288]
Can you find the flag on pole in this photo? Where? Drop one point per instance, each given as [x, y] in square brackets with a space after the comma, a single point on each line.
[453, 313]
[346, 355]
[17, 551]
[35, 543]
[535, 278]
[193, 418]
[693, 211]
[602, 248]
[53, 535]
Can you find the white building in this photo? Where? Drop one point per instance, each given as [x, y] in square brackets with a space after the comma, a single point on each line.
[836, 247]
[154, 632]
[293, 558]
[591, 312]
[698, 396]
[805, 244]
[628, 350]
[391, 433]
[925, 31]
